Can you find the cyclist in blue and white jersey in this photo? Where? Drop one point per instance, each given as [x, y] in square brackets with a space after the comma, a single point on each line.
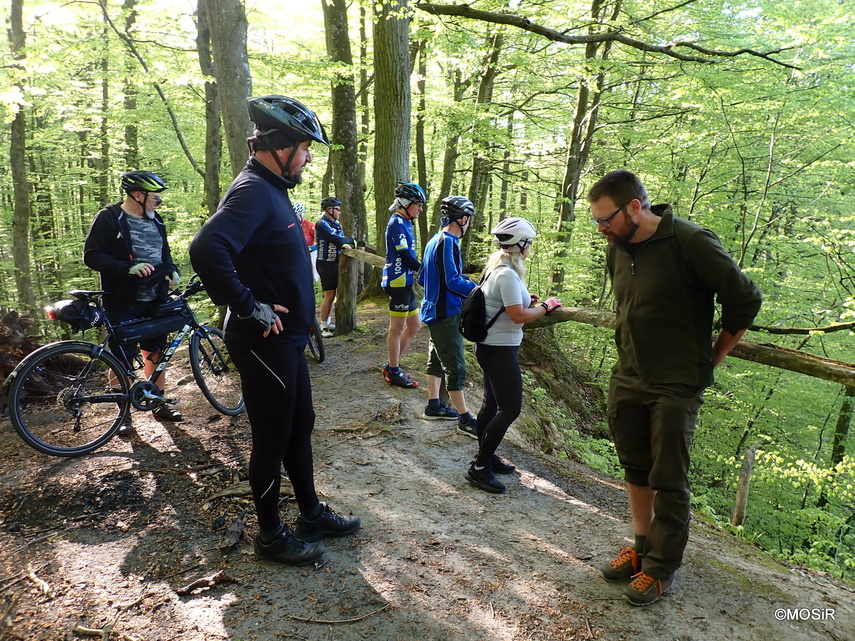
[401, 264]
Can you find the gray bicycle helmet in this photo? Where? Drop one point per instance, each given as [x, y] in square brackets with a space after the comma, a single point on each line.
[456, 207]
[288, 116]
[144, 181]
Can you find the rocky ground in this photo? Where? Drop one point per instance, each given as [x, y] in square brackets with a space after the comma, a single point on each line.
[137, 541]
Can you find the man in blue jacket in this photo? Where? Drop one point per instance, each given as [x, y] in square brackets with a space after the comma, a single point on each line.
[251, 255]
[446, 287]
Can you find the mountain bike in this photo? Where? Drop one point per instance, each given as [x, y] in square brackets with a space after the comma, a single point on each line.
[69, 398]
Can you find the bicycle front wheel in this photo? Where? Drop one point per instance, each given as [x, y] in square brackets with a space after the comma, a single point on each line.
[316, 343]
[68, 399]
[214, 371]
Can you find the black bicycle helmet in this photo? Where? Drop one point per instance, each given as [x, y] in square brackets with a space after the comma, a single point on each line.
[144, 181]
[286, 115]
[410, 191]
[328, 202]
[456, 207]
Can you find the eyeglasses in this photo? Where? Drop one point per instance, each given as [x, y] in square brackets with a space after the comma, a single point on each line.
[607, 221]
[155, 197]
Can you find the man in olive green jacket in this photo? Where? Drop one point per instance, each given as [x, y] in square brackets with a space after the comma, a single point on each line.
[667, 273]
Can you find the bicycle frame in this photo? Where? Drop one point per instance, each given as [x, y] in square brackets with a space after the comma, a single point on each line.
[69, 397]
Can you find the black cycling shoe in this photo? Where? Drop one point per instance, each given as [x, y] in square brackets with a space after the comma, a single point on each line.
[288, 549]
[501, 467]
[327, 523]
[126, 428]
[166, 412]
[484, 480]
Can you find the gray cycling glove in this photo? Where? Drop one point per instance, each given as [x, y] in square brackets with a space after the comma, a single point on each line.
[263, 313]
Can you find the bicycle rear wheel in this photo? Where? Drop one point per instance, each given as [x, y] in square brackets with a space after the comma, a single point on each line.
[316, 343]
[68, 399]
[214, 371]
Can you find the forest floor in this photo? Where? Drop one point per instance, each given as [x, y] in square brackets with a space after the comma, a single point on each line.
[109, 543]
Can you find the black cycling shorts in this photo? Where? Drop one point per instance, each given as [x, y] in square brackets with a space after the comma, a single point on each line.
[402, 301]
[328, 271]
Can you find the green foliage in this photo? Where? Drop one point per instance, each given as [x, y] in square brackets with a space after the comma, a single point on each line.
[758, 152]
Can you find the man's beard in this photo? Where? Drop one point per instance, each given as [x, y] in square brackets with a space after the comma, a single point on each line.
[625, 236]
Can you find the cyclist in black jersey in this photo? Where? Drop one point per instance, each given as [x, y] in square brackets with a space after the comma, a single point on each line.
[128, 247]
[331, 240]
[252, 256]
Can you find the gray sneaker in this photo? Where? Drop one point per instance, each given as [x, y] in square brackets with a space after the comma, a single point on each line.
[468, 428]
[645, 590]
[126, 428]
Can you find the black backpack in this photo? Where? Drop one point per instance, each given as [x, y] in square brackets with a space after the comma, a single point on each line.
[473, 315]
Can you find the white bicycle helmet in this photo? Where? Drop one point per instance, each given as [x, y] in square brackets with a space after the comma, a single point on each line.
[299, 209]
[514, 234]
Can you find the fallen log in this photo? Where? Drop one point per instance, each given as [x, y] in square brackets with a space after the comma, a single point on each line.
[764, 353]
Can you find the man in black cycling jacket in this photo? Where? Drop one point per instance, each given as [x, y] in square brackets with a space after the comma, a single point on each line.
[251, 256]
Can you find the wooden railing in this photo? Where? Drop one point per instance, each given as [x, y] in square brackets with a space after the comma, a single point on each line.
[763, 353]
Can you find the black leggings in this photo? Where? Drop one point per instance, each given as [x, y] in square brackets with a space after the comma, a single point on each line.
[278, 395]
[502, 396]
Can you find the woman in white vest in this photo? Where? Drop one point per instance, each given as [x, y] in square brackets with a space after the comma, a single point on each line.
[508, 301]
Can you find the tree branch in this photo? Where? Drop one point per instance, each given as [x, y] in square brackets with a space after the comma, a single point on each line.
[173, 118]
[709, 56]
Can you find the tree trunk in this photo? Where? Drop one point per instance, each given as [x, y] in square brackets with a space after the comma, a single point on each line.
[841, 433]
[132, 158]
[765, 353]
[17, 161]
[103, 162]
[481, 164]
[742, 485]
[227, 23]
[391, 108]
[213, 131]
[579, 145]
[504, 196]
[421, 152]
[449, 160]
[344, 159]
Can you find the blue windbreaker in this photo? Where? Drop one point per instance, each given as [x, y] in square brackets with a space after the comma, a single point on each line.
[446, 287]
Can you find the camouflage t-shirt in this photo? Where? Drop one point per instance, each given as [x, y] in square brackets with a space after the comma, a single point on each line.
[147, 246]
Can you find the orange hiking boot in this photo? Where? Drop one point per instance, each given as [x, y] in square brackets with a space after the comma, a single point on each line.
[645, 590]
[626, 565]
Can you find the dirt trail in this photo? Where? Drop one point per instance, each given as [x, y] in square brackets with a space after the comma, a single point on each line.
[107, 540]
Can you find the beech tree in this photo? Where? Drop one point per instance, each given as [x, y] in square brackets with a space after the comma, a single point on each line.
[392, 104]
[343, 158]
[18, 163]
[227, 26]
